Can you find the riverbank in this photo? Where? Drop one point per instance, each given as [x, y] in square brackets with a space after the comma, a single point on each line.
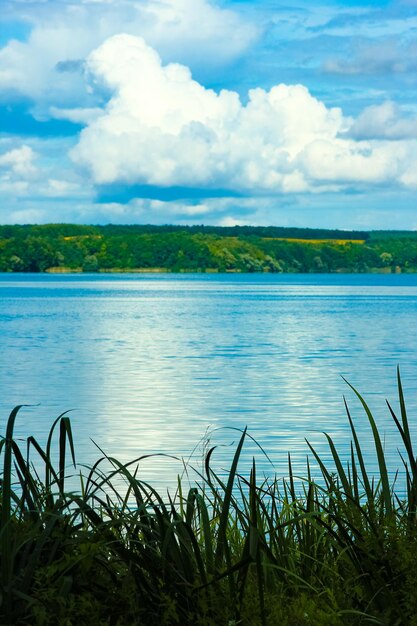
[213, 270]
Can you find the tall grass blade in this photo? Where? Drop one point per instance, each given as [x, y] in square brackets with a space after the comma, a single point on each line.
[224, 513]
[65, 433]
[6, 513]
[386, 490]
[364, 473]
[402, 406]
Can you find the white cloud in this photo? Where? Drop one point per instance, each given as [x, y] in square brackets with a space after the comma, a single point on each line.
[389, 55]
[19, 162]
[48, 67]
[59, 188]
[365, 21]
[15, 188]
[37, 170]
[192, 30]
[384, 121]
[77, 115]
[346, 162]
[211, 210]
[25, 216]
[160, 127]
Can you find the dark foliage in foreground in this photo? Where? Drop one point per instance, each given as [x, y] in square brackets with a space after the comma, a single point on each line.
[234, 551]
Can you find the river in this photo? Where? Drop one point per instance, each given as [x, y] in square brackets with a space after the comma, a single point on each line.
[174, 364]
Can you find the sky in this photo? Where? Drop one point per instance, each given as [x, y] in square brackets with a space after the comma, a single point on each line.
[225, 112]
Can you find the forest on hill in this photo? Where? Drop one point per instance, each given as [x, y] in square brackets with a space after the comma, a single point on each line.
[71, 247]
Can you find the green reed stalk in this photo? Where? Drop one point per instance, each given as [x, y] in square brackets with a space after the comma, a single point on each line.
[334, 552]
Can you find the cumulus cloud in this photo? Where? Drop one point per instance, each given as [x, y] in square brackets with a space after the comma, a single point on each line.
[19, 162]
[48, 67]
[17, 170]
[161, 127]
[37, 170]
[384, 121]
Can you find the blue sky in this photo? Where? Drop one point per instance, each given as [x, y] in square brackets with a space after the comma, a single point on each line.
[195, 111]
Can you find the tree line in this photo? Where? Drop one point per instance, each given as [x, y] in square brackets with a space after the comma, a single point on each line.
[71, 247]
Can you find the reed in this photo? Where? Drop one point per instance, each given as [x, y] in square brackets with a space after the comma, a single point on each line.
[339, 550]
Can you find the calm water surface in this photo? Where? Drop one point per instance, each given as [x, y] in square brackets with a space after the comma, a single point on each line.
[159, 363]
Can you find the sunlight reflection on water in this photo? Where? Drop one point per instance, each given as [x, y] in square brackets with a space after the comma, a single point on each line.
[154, 363]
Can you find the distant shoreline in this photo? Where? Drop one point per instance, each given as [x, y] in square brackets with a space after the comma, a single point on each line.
[159, 270]
[72, 248]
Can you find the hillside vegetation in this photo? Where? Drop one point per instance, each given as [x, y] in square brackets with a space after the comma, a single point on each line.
[69, 247]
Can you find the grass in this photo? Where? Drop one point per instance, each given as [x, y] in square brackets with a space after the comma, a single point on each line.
[342, 550]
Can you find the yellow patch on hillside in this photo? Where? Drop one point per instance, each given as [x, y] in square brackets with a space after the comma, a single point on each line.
[74, 237]
[339, 242]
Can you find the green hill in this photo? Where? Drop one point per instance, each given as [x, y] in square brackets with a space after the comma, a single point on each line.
[199, 248]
